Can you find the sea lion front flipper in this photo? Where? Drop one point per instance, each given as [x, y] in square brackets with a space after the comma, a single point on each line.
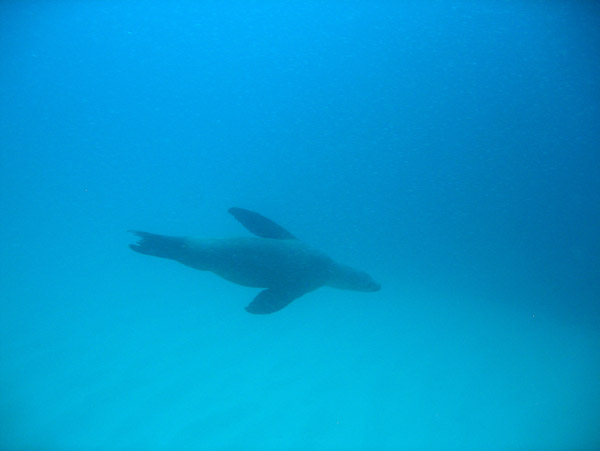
[271, 301]
[259, 225]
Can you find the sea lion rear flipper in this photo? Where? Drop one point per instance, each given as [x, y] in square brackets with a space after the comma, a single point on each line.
[158, 245]
[259, 225]
[271, 301]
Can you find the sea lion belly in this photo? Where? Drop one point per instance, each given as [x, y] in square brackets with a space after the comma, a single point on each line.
[260, 262]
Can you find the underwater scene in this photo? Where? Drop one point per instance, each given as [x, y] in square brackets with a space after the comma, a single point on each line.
[304, 225]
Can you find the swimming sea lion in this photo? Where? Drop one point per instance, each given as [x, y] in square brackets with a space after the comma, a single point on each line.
[275, 260]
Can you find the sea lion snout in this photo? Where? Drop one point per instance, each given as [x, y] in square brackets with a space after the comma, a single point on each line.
[347, 278]
[368, 284]
[361, 281]
[374, 286]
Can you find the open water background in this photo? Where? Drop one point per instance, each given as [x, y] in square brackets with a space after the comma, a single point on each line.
[449, 148]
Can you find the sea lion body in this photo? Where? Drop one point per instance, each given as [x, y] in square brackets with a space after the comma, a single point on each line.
[284, 266]
[259, 262]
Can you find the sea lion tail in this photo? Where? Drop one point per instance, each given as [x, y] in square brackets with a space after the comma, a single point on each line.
[158, 245]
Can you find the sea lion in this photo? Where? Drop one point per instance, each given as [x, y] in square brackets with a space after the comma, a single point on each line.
[275, 260]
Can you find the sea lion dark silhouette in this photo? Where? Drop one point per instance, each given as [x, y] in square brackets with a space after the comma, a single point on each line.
[286, 267]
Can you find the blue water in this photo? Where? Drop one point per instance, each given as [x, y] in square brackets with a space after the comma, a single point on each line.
[449, 148]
